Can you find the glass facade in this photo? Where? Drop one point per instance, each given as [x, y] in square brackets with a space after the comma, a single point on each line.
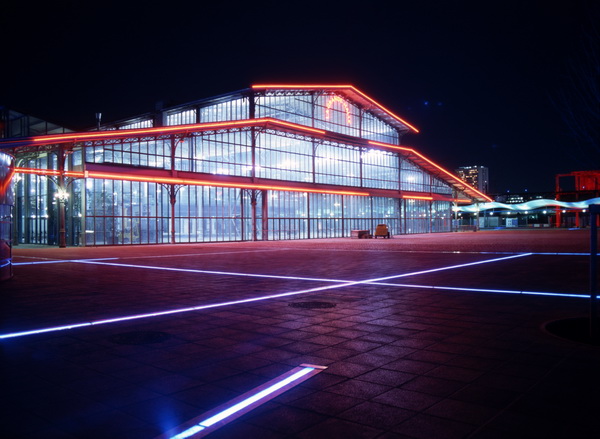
[6, 215]
[233, 178]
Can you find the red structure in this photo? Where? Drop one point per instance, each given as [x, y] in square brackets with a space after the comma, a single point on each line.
[576, 186]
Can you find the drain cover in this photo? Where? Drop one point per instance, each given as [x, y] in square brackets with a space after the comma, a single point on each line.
[139, 337]
[312, 305]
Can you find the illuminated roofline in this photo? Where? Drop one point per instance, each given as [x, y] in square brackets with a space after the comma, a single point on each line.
[174, 129]
[338, 87]
[422, 157]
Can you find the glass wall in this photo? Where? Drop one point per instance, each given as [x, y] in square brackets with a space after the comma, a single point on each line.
[204, 213]
[155, 153]
[126, 212]
[441, 216]
[235, 109]
[380, 169]
[284, 158]
[327, 111]
[287, 215]
[297, 108]
[387, 211]
[373, 128]
[223, 153]
[277, 156]
[337, 164]
[334, 113]
[326, 216]
[416, 214]
[183, 117]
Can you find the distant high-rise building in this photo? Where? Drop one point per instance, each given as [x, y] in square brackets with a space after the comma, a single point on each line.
[476, 176]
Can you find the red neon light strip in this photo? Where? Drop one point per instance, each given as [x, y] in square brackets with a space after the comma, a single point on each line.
[37, 171]
[351, 87]
[172, 129]
[190, 182]
[412, 151]
[416, 197]
[7, 179]
[293, 125]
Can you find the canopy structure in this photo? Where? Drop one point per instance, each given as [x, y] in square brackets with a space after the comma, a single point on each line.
[527, 206]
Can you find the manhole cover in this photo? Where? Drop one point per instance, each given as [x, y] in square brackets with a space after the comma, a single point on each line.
[575, 329]
[312, 305]
[139, 337]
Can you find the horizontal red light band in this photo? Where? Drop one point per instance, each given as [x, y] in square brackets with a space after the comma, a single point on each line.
[183, 181]
[416, 197]
[192, 182]
[37, 171]
[294, 126]
[299, 86]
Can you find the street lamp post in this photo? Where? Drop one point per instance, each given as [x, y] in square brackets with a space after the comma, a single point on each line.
[61, 196]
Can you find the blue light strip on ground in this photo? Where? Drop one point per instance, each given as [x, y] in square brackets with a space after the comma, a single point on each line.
[59, 261]
[485, 290]
[235, 302]
[241, 301]
[232, 410]
[227, 273]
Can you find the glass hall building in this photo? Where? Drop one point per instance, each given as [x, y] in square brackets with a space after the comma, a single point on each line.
[271, 162]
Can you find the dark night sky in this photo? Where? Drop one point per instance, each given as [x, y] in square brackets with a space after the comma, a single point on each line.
[477, 78]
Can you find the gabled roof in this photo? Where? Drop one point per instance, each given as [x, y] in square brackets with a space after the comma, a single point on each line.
[352, 94]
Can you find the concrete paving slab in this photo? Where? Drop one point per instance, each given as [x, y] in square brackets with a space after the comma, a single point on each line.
[403, 361]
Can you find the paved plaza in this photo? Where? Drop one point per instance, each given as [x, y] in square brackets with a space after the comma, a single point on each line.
[424, 336]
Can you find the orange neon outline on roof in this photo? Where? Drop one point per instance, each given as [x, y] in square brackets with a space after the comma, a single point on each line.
[173, 128]
[338, 86]
[332, 100]
[387, 145]
[186, 181]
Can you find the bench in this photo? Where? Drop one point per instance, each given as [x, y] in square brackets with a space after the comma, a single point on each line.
[360, 234]
[382, 230]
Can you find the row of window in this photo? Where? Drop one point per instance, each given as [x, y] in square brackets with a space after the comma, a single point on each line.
[326, 111]
[106, 212]
[277, 157]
